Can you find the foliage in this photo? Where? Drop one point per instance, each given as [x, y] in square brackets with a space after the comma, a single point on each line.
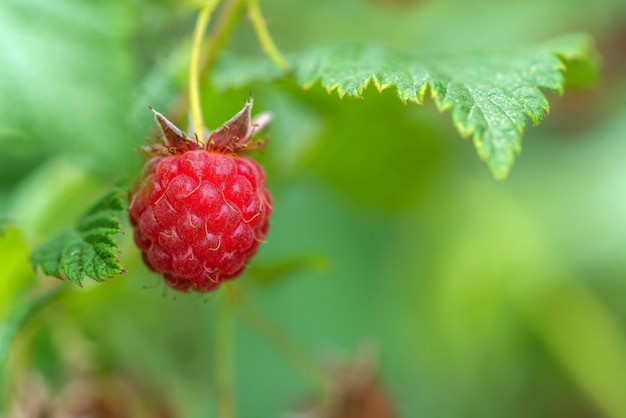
[386, 229]
[490, 94]
[88, 250]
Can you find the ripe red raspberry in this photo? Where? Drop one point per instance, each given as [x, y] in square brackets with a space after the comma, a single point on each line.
[201, 210]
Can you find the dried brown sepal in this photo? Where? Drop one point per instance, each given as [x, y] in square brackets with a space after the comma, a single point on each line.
[233, 137]
[174, 140]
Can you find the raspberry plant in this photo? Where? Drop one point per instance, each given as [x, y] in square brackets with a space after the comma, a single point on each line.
[431, 259]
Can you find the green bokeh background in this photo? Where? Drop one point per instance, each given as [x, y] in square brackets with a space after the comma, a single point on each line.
[483, 299]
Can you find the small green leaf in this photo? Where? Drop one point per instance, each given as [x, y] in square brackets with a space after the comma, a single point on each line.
[491, 94]
[88, 250]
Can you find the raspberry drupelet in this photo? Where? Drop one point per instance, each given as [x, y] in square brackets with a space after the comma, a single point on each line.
[201, 210]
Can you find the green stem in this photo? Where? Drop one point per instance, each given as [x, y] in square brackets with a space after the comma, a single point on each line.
[224, 357]
[194, 66]
[215, 41]
[290, 349]
[267, 43]
[223, 27]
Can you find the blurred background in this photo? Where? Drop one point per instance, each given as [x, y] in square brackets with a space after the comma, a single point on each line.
[480, 298]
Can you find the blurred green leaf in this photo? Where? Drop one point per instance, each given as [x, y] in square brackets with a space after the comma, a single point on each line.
[69, 73]
[597, 359]
[581, 60]
[15, 269]
[10, 326]
[88, 250]
[52, 197]
[491, 95]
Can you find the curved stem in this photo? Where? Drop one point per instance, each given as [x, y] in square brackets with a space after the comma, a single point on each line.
[194, 66]
[264, 36]
[215, 40]
[224, 357]
[223, 27]
[299, 358]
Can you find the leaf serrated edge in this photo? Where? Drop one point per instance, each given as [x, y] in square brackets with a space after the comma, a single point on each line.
[563, 49]
[108, 208]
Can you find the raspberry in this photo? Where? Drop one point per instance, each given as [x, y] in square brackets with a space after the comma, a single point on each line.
[201, 210]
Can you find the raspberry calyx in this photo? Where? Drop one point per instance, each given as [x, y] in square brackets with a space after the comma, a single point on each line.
[201, 208]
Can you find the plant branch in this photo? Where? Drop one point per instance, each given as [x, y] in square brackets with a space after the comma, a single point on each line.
[299, 358]
[194, 66]
[267, 43]
[224, 361]
[223, 27]
[215, 41]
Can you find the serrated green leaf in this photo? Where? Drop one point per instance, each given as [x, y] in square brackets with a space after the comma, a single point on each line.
[491, 94]
[88, 250]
